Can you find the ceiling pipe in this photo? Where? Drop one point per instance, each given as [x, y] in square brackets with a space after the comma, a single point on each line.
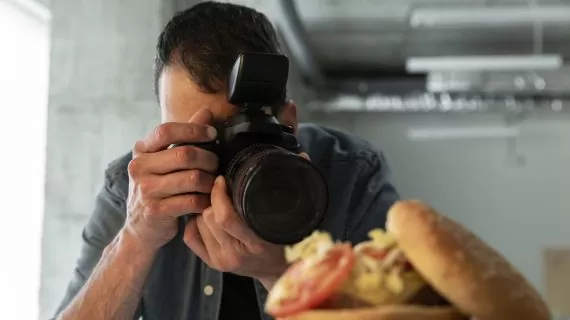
[297, 40]
[484, 63]
[488, 16]
[435, 103]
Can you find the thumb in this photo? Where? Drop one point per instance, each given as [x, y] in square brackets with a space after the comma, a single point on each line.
[203, 116]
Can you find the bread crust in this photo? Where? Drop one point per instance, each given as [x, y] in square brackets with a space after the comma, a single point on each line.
[474, 277]
[393, 312]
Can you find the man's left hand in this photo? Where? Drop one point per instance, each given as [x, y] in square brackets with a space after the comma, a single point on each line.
[225, 243]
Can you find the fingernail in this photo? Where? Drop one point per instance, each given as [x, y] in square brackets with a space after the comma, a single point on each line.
[219, 180]
[212, 132]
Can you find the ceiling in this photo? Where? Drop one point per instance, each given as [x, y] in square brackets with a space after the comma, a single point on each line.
[367, 35]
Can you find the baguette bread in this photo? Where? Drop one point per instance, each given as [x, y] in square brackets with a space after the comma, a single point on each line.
[389, 312]
[477, 281]
[474, 277]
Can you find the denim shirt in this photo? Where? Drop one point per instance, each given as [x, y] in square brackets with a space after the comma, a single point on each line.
[180, 285]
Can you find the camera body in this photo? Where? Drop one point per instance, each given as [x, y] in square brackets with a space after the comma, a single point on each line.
[281, 196]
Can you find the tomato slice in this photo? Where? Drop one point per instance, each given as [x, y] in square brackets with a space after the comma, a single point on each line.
[309, 283]
[375, 253]
[380, 254]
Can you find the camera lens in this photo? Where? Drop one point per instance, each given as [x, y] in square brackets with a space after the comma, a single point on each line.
[281, 196]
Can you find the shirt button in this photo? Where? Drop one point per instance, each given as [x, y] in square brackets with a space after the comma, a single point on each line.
[208, 290]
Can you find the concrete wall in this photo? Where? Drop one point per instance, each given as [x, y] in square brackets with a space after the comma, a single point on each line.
[101, 101]
[520, 209]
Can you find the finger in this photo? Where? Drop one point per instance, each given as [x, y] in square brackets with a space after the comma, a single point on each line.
[179, 205]
[225, 240]
[212, 245]
[193, 240]
[183, 182]
[180, 158]
[225, 215]
[170, 133]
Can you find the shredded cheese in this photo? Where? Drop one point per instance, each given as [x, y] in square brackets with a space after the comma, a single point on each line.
[380, 278]
[377, 276]
[314, 245]
[382, 238]
[391, 258]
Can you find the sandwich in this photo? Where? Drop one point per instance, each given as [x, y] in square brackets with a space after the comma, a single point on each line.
[424, 266]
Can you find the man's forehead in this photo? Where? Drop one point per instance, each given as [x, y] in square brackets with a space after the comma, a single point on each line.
[180, 96]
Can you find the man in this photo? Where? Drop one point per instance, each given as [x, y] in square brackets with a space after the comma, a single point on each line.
[136, 261]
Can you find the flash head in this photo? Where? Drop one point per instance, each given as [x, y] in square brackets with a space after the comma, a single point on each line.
[258, 79]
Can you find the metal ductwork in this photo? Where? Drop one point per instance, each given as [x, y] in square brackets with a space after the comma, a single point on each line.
[296, 38]
[436, 55]
[552, 83]
[429, 102]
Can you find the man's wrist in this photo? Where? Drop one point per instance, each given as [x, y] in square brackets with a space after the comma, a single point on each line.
[131, 245]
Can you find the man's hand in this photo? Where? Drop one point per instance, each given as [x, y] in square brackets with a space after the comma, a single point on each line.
[167, 183]
[224, 242]
[163, 184]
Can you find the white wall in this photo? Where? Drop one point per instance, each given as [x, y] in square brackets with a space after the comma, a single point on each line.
[518, 209]
[24, 69]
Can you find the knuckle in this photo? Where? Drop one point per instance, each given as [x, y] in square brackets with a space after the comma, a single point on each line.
[208, 215]
[192, 131]
[145, 188]
[194, 177]
[192, 202]
[134, 167]
[138, 147]
[195, 203]
[162, 132]
[185, 154]
[223, 219]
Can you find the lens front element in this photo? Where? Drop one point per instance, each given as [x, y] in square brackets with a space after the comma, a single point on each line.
[280, 195]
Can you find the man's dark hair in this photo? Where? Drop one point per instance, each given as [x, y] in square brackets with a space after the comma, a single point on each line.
[207, 38]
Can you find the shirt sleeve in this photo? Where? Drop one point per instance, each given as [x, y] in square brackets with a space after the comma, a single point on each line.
[372, 197]
[104, 224]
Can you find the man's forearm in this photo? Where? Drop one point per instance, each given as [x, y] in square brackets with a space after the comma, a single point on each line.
[113, 290]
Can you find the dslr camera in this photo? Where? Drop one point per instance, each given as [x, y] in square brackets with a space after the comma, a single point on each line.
[281, 196]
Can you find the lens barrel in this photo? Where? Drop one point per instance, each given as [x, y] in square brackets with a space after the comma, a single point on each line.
[280, 196]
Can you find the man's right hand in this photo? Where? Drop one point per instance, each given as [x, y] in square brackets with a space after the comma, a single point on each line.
[167, 183]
